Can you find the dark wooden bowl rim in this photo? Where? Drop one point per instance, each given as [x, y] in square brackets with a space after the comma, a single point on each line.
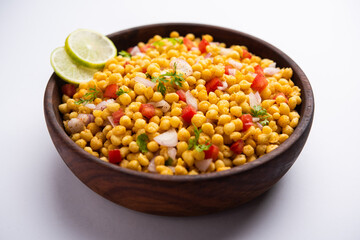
[305, 120]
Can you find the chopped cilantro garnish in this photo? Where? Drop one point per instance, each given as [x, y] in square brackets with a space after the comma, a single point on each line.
[125, 54]
[260, 112]
[193, 142]
[161, 42]
[121, 92]
[175, 79]
[141, 141]
[88, 97]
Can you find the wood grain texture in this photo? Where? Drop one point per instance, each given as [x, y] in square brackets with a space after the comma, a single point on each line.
[184, 195]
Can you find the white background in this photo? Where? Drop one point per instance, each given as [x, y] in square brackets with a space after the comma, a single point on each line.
[319, 198]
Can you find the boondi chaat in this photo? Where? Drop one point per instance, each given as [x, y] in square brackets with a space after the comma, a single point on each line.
[182, 105]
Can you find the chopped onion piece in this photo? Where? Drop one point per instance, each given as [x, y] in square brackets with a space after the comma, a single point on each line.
[168, 139]
[203, 165]
[172, 153]
[254, 99]
[259, 125]
[215, 43]
[223, 87]
[76, 125]
[144, 81]
[165, 106]
[182, 66]
[111, 120]
[86, 118]
[102, 105]
[190, 100]
[90, 105]
[252, 74]
[194, 49]
[207, 56]
[226, 51]
[273, 65]
[235, 64]
[232, 71]
[255, 119]
[271, 71]
[136, 51]
[152, 167]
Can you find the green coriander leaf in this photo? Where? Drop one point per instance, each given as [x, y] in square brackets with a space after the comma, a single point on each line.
[175, 79]
[121, 92]
[81, 101]
[161, 88]
[161, 80]
[202, 147]
[148, 75]
[88, 97]
[169, 161]
[194, 142]
[259, 112]
[124, 54]
[159, 43]
[155, 79]
[264, 122]
[197, 132]
[141, 141]
[175, 40]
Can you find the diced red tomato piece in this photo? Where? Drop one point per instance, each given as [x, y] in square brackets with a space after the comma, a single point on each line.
[187, 113]
[227, 67]
[212, 85]
[117, 115]
[202, 45]
[247, 121]
[126, 63]
[281, 94]
[129, 49]
[259, 70]
[147, 110]
[213, 152]
[259, 83]
[181, 94]
[188, 43]
[246, 54]
[110, 91]
[68, 89]
[237, 147]
[144, 70]
[146, 47]
[115, 156]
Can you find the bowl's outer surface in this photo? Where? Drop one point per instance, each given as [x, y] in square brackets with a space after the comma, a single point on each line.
[184, 195]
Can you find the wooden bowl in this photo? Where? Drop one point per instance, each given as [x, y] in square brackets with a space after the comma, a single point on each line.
[184, 195]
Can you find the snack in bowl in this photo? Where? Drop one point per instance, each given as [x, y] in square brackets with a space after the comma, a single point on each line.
[181, 195]
[182, 105]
